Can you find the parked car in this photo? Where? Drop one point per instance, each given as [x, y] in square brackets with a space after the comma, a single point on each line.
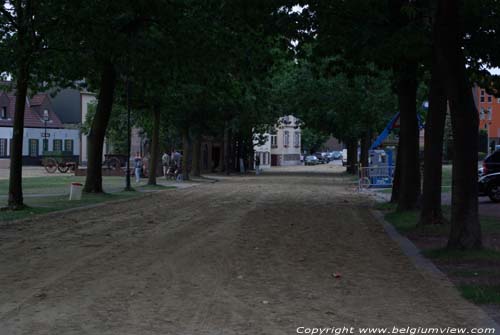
[320, 157]
[491, 164]
[490, 185]
[311, 160]
[335, 155]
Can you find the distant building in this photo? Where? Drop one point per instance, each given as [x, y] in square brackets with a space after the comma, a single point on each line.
[282, 147]
[488, 107]
[43, 129]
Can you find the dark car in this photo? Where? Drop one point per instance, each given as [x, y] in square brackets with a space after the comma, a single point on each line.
[336, 155]
[321, 157]
[491, 164]
[490, 185]
[311, 160]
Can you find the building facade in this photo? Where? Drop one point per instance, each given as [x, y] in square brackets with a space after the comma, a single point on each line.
[488, 107]
[43, 130]
[282, 147]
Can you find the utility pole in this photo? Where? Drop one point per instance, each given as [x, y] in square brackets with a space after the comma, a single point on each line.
[128, 186]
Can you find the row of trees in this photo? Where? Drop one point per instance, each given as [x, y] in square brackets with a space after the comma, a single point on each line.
[443, 45]
[211, 67]
[200, 67]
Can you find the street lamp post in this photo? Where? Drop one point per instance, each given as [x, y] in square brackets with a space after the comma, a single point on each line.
[45, 119]
[128, 186]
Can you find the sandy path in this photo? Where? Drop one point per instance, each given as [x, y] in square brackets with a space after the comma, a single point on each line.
[243, 256]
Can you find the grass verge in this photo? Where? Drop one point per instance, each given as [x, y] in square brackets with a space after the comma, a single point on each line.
[43, 205]
[475, 273]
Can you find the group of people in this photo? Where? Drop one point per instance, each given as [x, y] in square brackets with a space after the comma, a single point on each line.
[171, 163]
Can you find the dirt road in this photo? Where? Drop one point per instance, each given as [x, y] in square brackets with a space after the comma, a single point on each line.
[246, 255]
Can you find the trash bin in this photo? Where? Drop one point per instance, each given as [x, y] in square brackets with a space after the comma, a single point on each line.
[75, 192]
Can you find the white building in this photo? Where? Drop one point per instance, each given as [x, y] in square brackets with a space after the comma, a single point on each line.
[43, 130]
[283, 146]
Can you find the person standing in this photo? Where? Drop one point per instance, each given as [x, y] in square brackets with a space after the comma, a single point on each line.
[165, 160]
[137, 167]
[257, 164]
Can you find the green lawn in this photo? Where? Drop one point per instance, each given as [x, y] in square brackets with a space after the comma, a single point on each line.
[464, 266]
[41, 205]
[59, 184]
[481, 294]
[445, 183]
[55, 191]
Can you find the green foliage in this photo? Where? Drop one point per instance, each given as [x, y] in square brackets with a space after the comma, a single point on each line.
[312, 140]
[116, 133]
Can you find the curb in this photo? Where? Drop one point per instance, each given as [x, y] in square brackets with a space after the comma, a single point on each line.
[424, 265]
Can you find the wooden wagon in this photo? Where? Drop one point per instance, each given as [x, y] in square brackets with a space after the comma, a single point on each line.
[63, 161]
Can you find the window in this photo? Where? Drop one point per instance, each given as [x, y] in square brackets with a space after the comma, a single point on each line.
[489, 98]
[296, 139]
[498, 100]
[286, 139]
[3, 147]
[33, 147]
[481, 114]
[45, 144]
[482, 95]
[3, 113]
[490, 112]
[68, 145]
[57, 145]
[274, 141]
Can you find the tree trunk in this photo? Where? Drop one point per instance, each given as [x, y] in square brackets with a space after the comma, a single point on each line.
[365, 148]
[15, 201]
[93, 182]
[465, 227]
[196, 164]
[352, 156]
[433, 155]
[227, 150]
[155, 143]
[396, 180]
[409, 183]
[185, 154]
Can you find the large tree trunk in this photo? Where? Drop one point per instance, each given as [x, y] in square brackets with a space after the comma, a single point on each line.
[196, 164]
[93, 182]
[396, 180]
[365, 148]
[185, 154]
[16, 151]
[433, 156]
[155, 143]
[465, 227]
[352, 156]
[409, 184]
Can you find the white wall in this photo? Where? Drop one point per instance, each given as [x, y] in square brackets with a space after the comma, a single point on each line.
[37, 133]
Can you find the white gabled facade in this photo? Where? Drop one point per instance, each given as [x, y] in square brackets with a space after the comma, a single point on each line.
[283, 147]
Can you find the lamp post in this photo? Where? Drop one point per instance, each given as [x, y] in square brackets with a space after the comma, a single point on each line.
[45, 140]
[128, 186]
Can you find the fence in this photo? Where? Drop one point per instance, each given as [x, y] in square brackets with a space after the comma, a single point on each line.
[376, 176]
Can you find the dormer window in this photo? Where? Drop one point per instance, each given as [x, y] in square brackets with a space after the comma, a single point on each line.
[3, 113]
[45, 115]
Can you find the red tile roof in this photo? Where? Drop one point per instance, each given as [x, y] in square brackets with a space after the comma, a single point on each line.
[33, 112]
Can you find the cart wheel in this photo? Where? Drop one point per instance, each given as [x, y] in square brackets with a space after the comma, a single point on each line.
[114, 163]
[50, 165]
[63, 168]
[365, 182]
